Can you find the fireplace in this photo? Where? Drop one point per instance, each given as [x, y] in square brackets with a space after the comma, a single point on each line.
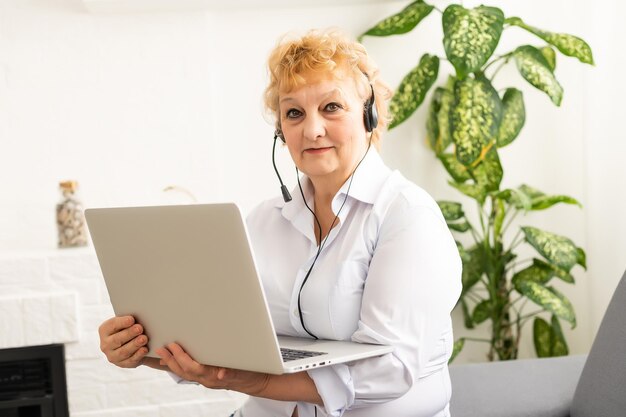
[32, 382]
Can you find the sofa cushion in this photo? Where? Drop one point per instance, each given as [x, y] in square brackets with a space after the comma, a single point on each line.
[601, 390]
[520, 388]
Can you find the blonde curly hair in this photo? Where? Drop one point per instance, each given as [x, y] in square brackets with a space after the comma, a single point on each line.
[324, 53]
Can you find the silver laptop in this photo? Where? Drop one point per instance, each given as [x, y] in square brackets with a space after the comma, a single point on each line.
[188, 275]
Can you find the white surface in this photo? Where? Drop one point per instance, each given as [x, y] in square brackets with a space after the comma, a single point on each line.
[133, 6]
[37, 317]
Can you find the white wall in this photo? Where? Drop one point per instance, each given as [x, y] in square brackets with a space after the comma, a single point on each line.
[129, 103]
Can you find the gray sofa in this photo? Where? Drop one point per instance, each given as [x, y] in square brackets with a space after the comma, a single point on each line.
[591, 385]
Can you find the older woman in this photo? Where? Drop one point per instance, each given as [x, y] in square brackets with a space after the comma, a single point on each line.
[359, 254]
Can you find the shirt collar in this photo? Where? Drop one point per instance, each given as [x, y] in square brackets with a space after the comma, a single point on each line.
[368, 181]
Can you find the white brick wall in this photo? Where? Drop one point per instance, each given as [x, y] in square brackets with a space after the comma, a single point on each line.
[60, 297]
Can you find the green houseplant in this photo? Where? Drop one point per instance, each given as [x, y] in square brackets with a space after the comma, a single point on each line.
[468, 123]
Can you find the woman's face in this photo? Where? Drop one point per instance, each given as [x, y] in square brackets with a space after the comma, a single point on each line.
[322, 123]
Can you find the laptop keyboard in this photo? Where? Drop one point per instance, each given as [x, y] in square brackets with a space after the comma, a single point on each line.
[293, 354]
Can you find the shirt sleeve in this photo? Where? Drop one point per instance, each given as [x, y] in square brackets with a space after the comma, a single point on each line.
[180, 380]
[413, 283]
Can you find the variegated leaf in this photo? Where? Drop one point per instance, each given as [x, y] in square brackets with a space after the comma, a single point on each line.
[475, 117]
[413, 88]
[462, 252]
[467, 317]
[540, 201]
[559, 250]
[531, 192]
[567, 313]
[542, 338]
[438, 122]
[581, 257]
[555, 270]
[488, 173]
[569, 45]
[550, 56]
[461, 227]
[519, 199]
[547, 201]
[456, 349]
[513, 117]
[457, 170]
[482, 311]
[559, 345]
[548, 298]
[432, 122]
[536, 70]
[472, 268]
[536, 273]
[499, 217]
[471, 36]
[451, 210]
[443, 119]
[548, 338]
[402, 22]
[475, 191]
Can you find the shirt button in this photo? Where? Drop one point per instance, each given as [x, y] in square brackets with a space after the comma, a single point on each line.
[295, 312]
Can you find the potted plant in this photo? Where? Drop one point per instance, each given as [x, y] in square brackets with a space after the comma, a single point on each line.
[468, 124]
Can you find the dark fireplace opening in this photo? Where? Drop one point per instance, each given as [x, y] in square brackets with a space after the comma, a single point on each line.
[32, 382]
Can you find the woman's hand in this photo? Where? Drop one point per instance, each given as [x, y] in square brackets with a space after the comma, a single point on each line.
[123, 342]
[179, 362]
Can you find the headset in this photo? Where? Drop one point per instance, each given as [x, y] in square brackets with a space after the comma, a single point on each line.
[370, 120]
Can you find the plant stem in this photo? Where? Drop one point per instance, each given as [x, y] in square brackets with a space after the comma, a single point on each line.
[523, 304]
[518, 332]
[529, 315]
[437, 8]
[513, 241]
[508, 223]
[475, 339]
[515, 264]
[482, 222]
[506, 58]
[513, 246]
[496, 59]
[473, 230]
[486, 284]
[517, 299]
[498, 70]
[473, 297]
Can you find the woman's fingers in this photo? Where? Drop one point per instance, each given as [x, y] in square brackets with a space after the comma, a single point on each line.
[184, 360]
[115, 324]
[128, 350]
[183, 365]
[123, 341]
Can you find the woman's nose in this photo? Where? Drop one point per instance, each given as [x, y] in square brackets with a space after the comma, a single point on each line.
[314, 127]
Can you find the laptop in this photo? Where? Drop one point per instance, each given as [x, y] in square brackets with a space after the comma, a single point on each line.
[188, 275]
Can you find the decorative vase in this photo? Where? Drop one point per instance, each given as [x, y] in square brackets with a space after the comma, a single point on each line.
[70, 217]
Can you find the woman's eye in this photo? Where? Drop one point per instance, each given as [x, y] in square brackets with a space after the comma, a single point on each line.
[293, 113]
[333, 107]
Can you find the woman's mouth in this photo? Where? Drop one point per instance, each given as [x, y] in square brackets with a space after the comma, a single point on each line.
[317, 150]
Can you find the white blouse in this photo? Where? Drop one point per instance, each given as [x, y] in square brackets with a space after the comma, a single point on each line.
[390, 273]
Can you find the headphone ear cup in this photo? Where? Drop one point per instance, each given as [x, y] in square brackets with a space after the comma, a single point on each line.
[373, 114]
[370, 114]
